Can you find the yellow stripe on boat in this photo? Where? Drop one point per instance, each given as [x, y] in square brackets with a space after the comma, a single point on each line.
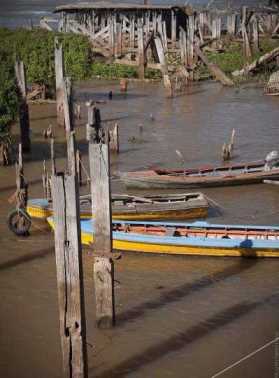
[44, 212]
[123, 245]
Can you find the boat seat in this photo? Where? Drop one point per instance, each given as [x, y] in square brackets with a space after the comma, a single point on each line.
[170, 231]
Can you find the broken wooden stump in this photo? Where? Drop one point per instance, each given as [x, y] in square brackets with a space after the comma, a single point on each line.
[23, 107]
[123, 85]
[227, 148]
[114, 139]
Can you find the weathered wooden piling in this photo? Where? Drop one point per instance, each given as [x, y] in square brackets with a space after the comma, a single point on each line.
[23, 107]
[99, 162]
[21, 185]
[141, 55]
[65, 195]
[69, 274]
[79, 167]
[59, 77]
[114, 139]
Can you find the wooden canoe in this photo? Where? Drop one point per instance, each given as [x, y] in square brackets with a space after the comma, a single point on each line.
[198, 238]
[209, 176]
[166, 206]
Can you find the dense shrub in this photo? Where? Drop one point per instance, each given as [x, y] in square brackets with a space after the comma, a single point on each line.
[8, 92]
[36, 49]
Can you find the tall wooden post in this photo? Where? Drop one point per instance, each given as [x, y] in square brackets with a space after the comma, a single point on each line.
[23, 107]
[99, 162]
[65, 194]
[59, 79]
[132, 31]
[141, 58]
[255, 28]
[190, 39]
[173, 28]
[246, 43]
[69, 275]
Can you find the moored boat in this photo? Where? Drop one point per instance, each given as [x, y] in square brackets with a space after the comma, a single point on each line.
[198, 238]
[209, 176]
[165, 206]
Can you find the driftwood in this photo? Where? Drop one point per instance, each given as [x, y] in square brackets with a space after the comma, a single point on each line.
[214, 68]
[256, 63]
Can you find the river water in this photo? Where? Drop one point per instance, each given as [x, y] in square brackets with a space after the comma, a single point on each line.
[175, 316]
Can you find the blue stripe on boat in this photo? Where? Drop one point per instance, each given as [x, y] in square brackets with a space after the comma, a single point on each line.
[197, 241]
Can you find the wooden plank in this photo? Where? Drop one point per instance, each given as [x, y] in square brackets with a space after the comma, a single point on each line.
[69, 275]
[59, 77]
[214, 69]
[257, 62]
[24, 122]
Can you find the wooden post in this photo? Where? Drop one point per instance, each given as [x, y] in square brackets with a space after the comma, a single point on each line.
[132, 31]
[141, 58]
[255, 26]
[183, 47]
[21, 185]
[68, 116]
[65, 194]
[69, 275]
[99, 161]
[59, 77]
[119, 39]
[190, 40]
[114, 139]
[79, 170]
[164, 66]
[173, 28]
[246, 44]
[231, 24]
[111, 35]
[23, 107]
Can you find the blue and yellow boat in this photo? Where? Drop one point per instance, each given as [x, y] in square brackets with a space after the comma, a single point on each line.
[198, 238]
[129, 207]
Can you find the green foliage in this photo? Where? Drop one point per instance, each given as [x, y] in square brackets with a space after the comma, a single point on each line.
[232, 58]
[36, 49]
[8, 93]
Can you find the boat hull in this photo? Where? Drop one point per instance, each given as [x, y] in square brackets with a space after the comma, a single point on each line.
[40, 209]
[157, 183]
[196, 246]
[238, 174]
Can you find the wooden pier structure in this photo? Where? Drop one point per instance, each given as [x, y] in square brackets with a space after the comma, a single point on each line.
[170, 38]
[114, 29]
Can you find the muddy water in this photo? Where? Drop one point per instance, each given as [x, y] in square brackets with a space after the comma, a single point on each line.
[176, 316]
